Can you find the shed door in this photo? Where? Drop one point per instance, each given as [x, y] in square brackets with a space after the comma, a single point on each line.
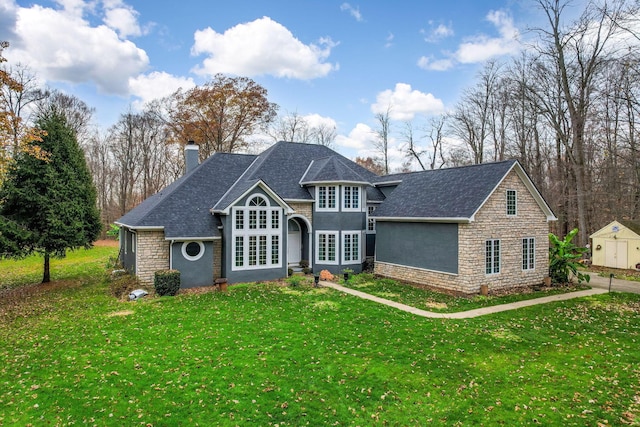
[615, 254]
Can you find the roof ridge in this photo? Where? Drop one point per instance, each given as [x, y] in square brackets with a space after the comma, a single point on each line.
[382, 177]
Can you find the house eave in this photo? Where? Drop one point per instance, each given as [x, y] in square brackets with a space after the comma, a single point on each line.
[388, 183]
[299, 200]
[140, 227]
[335, 182]
[423, 219]
[184, 239]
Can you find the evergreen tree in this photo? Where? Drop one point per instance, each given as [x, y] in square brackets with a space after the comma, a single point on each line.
[48, 204]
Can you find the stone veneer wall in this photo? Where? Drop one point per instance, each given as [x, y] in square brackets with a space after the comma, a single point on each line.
[304, 209]
[491, 222]
[152, 255]
[217, 258]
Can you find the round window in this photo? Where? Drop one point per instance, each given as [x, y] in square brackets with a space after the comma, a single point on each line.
[192, 251]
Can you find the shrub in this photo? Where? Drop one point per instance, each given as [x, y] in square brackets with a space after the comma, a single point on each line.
[120, 285]
[306, 270]
[295, 281]
[304, 263]
[166, 282]
[564, 259]
[290, 271]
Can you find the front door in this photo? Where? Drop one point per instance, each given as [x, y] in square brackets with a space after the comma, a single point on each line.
[294, 243]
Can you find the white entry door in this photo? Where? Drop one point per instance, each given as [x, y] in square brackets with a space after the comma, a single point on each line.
[615, 254]
[294, 243]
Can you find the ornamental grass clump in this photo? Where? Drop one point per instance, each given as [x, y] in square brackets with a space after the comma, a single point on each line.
[166, 282]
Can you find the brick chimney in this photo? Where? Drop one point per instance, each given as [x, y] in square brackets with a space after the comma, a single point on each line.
[190, 156]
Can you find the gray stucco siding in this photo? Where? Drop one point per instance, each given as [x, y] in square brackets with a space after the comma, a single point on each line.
[257, 275]
[193, 273]
[431, 246]
[127, 249]
[339, 221]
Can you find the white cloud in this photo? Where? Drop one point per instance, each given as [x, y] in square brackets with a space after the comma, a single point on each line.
[79, 54]
[156, 85]
[122, 18]
[8, 18]
[261, 47]
[75, 8]
[316, 120]
[481, 48]
[404, 103]
[437, 32]
[353, 11]
[359, 138]
[389, 40]
[478, 48]
[428, 63]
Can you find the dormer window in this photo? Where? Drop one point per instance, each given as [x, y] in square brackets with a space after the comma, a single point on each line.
[512, 203]
[326, 198]
[350, 198]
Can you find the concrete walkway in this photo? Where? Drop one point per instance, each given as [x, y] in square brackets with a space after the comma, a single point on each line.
[617, 285]
[465, 314]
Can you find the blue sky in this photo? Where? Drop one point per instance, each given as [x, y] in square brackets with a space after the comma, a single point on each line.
[333, 61]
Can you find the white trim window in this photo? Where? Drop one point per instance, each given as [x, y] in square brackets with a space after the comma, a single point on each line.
[529, 253]
[492, 256]
[192, 250]
[350, 198]
[512, 203]
[326, 198]
[327, 247]
[351, 247]
[256, 235]
[371, 221]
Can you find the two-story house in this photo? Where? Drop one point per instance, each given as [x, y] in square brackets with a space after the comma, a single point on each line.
[250, 217]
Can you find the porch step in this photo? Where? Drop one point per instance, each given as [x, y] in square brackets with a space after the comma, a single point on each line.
[297, 270]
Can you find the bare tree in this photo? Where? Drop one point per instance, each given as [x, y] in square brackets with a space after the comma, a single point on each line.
[291, 127]
[576, 54]
[381, 141]
[412, 151]
[76, 112]
[323, 134]
[16, 99]
[471, 119]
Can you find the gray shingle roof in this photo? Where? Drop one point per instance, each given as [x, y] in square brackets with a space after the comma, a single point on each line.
[183, 207]
[443, 193]
[332, 169]
[283, 165]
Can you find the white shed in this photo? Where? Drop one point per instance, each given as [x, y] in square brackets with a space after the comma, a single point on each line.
[617, 245]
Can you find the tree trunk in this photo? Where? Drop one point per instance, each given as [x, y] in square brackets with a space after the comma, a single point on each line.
[46, 277]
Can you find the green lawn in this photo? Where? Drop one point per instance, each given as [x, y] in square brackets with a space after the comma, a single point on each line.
[266, 354]
[440, 302]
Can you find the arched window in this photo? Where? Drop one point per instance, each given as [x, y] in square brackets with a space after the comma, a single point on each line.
[258, 201]
[256, 234]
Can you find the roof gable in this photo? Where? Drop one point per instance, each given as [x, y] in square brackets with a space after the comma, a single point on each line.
[632, 229]
[454, 194]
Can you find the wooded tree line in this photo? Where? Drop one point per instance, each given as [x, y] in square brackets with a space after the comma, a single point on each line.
[565, 107]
